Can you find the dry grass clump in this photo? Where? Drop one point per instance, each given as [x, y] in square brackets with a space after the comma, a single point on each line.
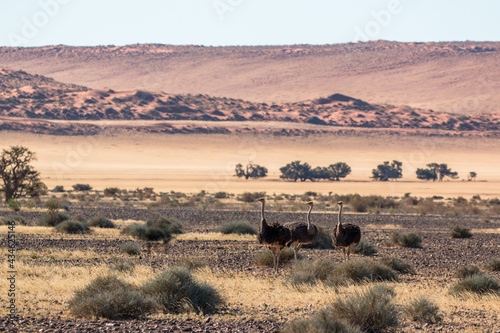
[399, 265]
[145, 232]
[307, 272]
[365, 248]
[52, 219]
[12, 220]
[191, 262]
[176, 291]
[72, 227]
[237, 227]
[408, 239]
[467, 271]
[459, 232]
[493, 264]
[101, 222]
[171, 226]
[265, 257]
[321, 322]
[477, 284]
[111, 298]
[423, 310]
[124, 266]
[131, 248]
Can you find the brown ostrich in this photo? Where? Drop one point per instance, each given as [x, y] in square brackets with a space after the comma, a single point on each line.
[302, 233]
[345, 235]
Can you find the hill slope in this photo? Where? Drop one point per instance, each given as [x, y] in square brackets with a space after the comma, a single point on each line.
[36, 97]
[459, 77]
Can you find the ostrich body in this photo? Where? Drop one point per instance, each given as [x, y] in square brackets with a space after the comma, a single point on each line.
[345, 235]
[302, 233]
[274, 235]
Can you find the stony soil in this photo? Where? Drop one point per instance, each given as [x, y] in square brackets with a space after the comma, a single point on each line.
[435, 262]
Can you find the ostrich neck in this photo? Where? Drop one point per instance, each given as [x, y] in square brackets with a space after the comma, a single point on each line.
[309, 224]
[262, 221]
[340, 217]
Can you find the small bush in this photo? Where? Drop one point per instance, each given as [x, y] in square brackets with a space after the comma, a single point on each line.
[72, 227]
[111, 298]
[251, 197]
[145, 232]
[58, 188]
[52, 220]
[82, 187]
[111, 191]
[322, 322]
[14, 205]
[459, 232]
[360, 270]
[358, 204]
[307, 272]
[398, 265]
[237, 227]
[53, 205]
[372, 308]
[132, 249]
[124, 266]
[365, 248]
[466, 271]
[176, 291]
[101, 222]
[477, 283]
[168, 226]
[322, 241]
[221, 195]
[406, 239]
[12, 220]
[493, 264]
[422, 310]
[191, 262]
[265, 257]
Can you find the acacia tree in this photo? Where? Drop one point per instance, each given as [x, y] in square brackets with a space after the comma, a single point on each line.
[296, 170]
[472, 176]
[251, 171]
[18, 175]
[339, 170]
[435, 172]
[387, 171]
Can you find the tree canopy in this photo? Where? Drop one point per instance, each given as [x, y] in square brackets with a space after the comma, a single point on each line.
[297, 170]
[251, 171]
[387, 171]
[435, 171]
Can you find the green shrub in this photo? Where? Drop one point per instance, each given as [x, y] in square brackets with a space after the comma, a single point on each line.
[477, 283]
[422, 310]
[360, 270]
[493, 264]
[111, 191]
[111, 298]
[358, 204]
[365, 248]
[14, 205]
[145, 232]
[12, 219]
[132, 249]
[168, 226]
[322, 241]
[466, 271]
[176, 291]
[323, 321]
[72, 227]
[221, 195]
[82, 187]
[309, 272]
[266, 258]
[406, 239]
[101, 222]
[459, 232]
[371, 308]
[53, 205]
[399, 265]
[237, 227]
[52, 220]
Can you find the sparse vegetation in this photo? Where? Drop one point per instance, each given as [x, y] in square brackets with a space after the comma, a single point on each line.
[251, 171]
[72, 227]
[265, 257]
[459, 232]
[365, 248]
[14, 205]
[111, 298]
[493, 264]
[476, 283]
[82, 187]
[409, 239]
[101, 222]
[467, 271]
[52, 220]
[399, 265]
[324, 321]
[131, 248]
[237, 227]
[191, 262]
[423, 310]
[12, 220]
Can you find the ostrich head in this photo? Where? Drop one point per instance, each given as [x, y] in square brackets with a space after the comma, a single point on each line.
[310, 203]
[262, 200]
[340, 203]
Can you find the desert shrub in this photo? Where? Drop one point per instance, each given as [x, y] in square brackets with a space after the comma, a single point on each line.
[82, 187]
[423, 310]
[322, 241]
[409, 239]
[124, 266]
[493, 264]
[52, 220]
[358, 204]
[360, 270]
[168, 226]
[101, 222]
[110, 191]
[176, 291]
[399, 265]
[265, 257]
[72, 227]
[365, 248]
[323, 321]
[53, 205]
[145, 232]
[466, 271]
[476, 283]
[221, 195]
[191, 262]
[250, 197]
[371, 308]
[111, 298]
[310, 272]
[14, 205]
[237, 227]
[130, 248]
[58, 188]
[459, 232]
[12, 220]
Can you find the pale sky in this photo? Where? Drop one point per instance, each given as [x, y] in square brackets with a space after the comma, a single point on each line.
[244, 22]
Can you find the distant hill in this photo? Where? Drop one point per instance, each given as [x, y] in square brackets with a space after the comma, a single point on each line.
[36, 97]
[457, 77]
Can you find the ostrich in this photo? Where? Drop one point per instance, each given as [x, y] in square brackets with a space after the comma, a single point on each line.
[274, 235]
[345, 235]
[302, 233]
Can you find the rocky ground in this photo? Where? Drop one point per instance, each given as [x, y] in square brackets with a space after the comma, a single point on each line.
[435, 262]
